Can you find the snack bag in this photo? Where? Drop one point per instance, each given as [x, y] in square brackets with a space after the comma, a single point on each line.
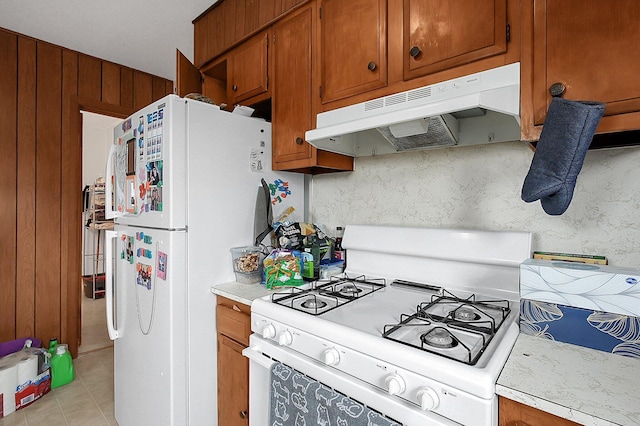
[282, 268]
[293, 236]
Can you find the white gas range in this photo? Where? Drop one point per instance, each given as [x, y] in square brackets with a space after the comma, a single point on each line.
[417, 329]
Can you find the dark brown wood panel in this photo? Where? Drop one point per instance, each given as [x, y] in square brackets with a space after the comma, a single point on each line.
[89, 77]
[126, 87]
[111, 83]
[239, 20]
[40, 178]
[215, 31]
[71, 216]
[26, 196]
[284, 5]
[201, 49]
[158, 88]
[48, 200]
[229, 8]
[266, 11]
[251, 12]
[8, 212]
[142, 90]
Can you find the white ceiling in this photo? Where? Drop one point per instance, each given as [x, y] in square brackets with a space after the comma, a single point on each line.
[143, 35]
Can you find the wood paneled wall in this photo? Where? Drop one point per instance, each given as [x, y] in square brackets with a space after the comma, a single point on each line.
[43, 87]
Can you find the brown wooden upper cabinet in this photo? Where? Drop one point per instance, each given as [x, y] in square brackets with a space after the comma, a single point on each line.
[248, 73]
[440, 35]
[584, 51]
[353, 47]
[229, 22]
[291, 101]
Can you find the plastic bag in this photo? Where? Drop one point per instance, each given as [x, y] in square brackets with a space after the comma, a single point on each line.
[293, 236]
[282, 268]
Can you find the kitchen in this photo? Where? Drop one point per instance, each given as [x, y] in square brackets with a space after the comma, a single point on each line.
[399, 189]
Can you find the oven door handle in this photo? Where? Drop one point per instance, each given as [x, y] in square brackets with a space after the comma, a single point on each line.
[256, 356]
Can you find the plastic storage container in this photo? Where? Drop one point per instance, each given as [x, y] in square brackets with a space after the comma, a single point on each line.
[62, 371]
[247, 264]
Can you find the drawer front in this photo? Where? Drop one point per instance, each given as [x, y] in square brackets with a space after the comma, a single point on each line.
[234, 324]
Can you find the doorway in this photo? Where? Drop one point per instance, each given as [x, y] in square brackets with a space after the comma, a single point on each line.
[97, 136]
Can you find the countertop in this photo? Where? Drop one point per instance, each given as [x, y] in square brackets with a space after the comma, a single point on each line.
[243, 293]
[584, 385]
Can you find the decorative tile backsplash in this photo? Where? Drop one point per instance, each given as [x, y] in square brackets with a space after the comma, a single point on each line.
[478, 187]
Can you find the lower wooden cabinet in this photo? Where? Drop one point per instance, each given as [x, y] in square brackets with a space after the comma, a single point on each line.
[513, 413]
[234, 326]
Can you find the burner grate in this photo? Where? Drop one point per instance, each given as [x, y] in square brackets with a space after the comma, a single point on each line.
[325, 295]
[449, 326]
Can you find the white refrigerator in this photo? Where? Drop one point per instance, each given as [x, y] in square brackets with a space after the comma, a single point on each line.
[182, 184]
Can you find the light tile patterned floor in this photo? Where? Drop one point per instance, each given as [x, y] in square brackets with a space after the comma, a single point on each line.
[94, 325]
[87, 401]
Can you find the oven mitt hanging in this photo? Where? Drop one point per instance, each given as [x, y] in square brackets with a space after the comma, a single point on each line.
[565, 139]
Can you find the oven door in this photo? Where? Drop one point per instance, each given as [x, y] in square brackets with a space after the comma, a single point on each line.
[262, 355]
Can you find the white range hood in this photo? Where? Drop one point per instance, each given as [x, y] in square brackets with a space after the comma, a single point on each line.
[476, 109]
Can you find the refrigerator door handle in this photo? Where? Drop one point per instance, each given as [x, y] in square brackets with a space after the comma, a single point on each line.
[109, 211]
[111, 236]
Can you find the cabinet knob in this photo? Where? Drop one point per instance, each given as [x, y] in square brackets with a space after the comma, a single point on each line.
[234, 88]
[371, 66]
[299, 140]
[243, 414]
[557, 89]
[415, 51]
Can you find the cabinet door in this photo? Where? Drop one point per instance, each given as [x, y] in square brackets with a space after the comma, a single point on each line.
[440, 35]
[512, 413]
[291, 101]
[353, 47]
[248, 68]
[188, 78]
[233, 383]
[591, 49]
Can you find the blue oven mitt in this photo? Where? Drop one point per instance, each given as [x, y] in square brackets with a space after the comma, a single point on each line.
[567, 133]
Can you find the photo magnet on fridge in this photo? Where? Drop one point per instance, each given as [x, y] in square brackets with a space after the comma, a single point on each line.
[162, 265]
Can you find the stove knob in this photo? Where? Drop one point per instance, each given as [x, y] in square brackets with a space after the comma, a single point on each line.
[269, 331]
[285, 338]
[428, 399]
[331, 356]
[395, 384]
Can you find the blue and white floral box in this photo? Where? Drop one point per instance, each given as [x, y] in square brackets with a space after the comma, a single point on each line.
[588, 305]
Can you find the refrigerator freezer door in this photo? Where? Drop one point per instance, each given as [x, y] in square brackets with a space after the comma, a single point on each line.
[148, 166]
[151, 313]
